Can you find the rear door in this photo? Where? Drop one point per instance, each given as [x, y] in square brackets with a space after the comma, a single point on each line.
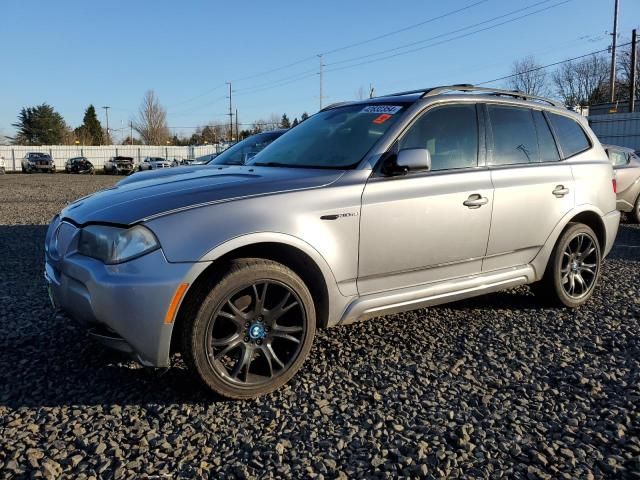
[533, 188]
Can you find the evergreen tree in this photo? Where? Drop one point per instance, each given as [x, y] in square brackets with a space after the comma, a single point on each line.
[304, 116]
[295, 122]
[91, 127]
[40, 125]
[284, 122]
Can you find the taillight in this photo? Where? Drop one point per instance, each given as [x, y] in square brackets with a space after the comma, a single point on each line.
[615, 185]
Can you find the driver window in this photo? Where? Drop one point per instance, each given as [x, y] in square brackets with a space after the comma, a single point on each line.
[450, 133]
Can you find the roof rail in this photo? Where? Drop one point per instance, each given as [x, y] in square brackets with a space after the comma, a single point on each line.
[465, 87]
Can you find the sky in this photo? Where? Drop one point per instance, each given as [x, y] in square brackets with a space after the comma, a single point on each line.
[72, 53]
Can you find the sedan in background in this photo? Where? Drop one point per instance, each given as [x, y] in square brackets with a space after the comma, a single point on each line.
[237, 154]
[154, 163]
[38, 162]
[626, 164]
[79, 165]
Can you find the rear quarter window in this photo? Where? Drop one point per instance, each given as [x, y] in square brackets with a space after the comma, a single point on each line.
[570, 135]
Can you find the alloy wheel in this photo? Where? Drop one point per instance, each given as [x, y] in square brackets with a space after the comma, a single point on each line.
[579, 266]
[256, 333]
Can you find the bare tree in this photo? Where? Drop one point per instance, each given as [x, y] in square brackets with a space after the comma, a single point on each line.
[528, 77]
[151, 123]
[584, 82]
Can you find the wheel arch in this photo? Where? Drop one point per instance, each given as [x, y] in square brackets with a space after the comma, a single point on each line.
[586, 214]
[308, 265]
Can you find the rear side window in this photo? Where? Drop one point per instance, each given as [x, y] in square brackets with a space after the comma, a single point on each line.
[450, 133]
[570, 135]
[546, 143]
[514, 136]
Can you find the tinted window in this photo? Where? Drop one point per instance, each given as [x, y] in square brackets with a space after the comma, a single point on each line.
[570, 135]
[514, 136]
[617, 157]
[449, 133]
[546, 143]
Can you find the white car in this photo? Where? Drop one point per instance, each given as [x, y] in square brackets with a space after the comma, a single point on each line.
[154, 163]
[2, 166]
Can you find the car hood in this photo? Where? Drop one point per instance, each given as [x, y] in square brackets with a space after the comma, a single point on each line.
[154, 174]
[126, 204]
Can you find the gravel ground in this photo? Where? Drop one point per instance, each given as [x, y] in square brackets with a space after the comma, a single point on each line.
[491, 387]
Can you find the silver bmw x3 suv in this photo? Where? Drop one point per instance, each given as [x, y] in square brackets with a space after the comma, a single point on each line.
[364, 209]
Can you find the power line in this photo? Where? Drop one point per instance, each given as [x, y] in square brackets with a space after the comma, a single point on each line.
[407, 45]
[450, 39]
[542, 67]
[404, 29]
[337, 49]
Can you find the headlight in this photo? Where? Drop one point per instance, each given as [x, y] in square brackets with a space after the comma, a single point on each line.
[116, 245]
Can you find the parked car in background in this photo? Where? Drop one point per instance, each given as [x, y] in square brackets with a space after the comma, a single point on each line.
[153, 163]
[38, 162]
[79, 165]
[3, 166]
[365, 209]
[180, 162]
[119, 165]
[240, 152]
[626, 164]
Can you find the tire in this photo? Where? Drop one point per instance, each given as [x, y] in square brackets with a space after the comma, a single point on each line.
[635, 214]
[23, 169]
[2, 171]
[256, 350]
[569, 260]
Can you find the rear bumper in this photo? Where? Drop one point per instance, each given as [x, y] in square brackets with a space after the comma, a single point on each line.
[611, 222]
[122, 306]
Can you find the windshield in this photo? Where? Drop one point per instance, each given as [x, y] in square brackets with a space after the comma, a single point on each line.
[242, 151]
[336, 138]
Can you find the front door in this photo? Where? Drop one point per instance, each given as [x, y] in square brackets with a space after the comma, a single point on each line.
[428, 226]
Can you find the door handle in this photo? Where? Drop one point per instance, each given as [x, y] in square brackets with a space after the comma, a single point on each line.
[475, 201]
[560, 191]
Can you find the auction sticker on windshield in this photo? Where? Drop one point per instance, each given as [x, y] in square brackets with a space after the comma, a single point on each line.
[379, 109]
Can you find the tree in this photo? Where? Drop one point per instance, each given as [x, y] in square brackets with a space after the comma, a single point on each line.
[583, 82]
[90, 132]
[529, 77]
[284, 121]
[151, 123]
[304, 116]
[623, 86]
[295, 122]
[40, 125]
[131, 141]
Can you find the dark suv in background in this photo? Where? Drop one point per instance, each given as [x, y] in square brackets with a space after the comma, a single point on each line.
[38, 162]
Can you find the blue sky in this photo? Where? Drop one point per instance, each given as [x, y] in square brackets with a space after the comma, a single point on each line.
[72, 53]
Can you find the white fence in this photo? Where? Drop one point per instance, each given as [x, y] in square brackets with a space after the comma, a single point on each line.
[97, 155]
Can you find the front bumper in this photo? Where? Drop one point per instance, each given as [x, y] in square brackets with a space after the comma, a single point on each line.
[123, 306]
[611, 222]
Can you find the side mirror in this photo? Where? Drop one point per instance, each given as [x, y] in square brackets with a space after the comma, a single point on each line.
[413, 160]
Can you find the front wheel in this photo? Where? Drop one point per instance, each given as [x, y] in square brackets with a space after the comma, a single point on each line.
[573, 269]
[253, 330]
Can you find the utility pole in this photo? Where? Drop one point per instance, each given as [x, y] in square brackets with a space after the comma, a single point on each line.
[634, 70]
[230, 115]
[130, 132]
[612, 79]
[371, 91]
[237, 131]
[106, 112]
[321, 75]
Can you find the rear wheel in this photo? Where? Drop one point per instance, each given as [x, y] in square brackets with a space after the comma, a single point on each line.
[253, 330]
[573, 269]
